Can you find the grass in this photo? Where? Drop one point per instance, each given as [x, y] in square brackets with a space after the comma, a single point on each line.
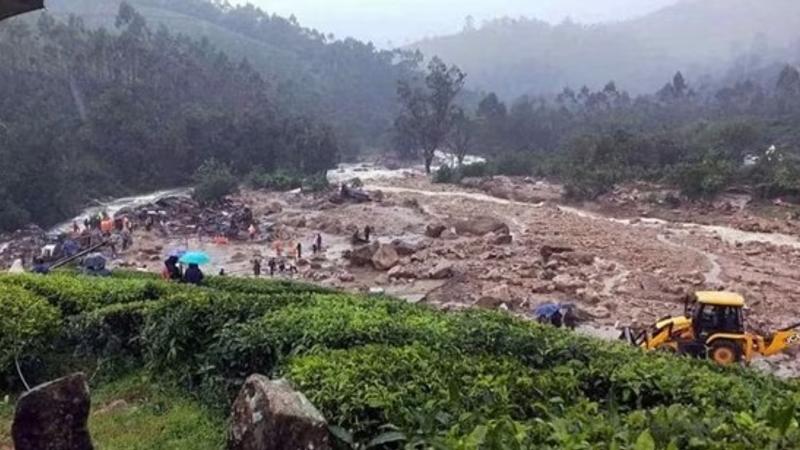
[133, 413]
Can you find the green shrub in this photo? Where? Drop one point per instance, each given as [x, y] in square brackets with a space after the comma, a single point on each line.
[476, 170]
[214, 180]
[519, 164]
[279, 180]
[446, 174]
[316, 183]
[26, 320]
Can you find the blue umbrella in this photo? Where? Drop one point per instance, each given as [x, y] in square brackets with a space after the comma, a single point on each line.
[198, 258]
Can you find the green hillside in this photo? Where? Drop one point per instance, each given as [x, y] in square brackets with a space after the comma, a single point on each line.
[464, 380]
[346, 82]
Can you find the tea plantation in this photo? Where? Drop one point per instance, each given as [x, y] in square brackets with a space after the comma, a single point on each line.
[386, 374]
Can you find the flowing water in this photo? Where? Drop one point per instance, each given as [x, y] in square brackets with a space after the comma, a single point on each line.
[114, 206]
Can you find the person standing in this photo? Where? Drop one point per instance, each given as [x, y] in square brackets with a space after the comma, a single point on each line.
[272, 264]
[193, 275]
[257, 267]
[299, 251]
[318, 243]
[367, 232]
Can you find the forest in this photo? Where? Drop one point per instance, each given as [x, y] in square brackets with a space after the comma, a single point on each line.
[699, 140]
[88, 113]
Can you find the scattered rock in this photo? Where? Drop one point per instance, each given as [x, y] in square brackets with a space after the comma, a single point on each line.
[385, 257]
[576, 258]
[549, 250]
[449, 235]
[347, 277]
[481, 226]
[442, 271]
[404, 248]
[499, 239]
[362, 256]
[568, 284]
[495, 297]
[403, 273]
[271, 415]
[434, 230]
[54, 416]
[273, 208]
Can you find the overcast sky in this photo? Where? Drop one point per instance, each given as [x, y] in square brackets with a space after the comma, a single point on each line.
[403, 21]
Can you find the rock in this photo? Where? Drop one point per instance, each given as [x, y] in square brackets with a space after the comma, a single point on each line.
[499, 239]
[347, 277]
[568, 284]
[403, 273]
[273, 208]
[577, 258]
[442, 271]
[385, 257]
[549, 250]
[434, 230]
[54, 416]
[449, 235]
[271, 415]
[495, 297]
[362, 256]
[481, 226]
[404, 248]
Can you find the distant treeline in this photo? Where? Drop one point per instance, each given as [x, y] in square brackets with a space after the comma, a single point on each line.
[86, 113]
[700, 140]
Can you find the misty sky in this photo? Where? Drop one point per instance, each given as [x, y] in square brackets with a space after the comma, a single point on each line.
[402, 21]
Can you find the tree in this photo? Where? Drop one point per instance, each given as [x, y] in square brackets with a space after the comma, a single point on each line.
[462, 136]
[428, 111]
[214, 181]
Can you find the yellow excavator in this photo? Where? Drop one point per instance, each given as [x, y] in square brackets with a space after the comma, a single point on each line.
[713, 327]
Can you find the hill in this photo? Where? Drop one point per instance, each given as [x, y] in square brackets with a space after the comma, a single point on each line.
[435, 380]
[699, 37]
[348, 83]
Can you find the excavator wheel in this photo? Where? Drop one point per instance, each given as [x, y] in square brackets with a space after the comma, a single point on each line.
[725, 352]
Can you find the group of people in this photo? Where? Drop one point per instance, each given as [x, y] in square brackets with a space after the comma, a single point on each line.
[174, 272]
[278, 263]
[117, 232]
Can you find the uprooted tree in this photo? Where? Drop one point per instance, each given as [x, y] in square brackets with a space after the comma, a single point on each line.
[428, 109]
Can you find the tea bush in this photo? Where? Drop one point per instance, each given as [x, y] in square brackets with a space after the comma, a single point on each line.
[392, 375]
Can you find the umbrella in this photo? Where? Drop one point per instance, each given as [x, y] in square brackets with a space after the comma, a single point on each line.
[198, 258]
[10, 8]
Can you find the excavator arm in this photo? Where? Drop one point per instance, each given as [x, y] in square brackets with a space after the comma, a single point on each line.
[782, 340]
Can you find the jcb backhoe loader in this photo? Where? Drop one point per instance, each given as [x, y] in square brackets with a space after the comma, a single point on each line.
[713, 326]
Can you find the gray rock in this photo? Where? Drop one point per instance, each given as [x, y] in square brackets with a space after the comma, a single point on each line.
[362, 256]
[54, 416]
[385, 257]
[434, 230]
[442, 271]
[481, 226]
[271, 415]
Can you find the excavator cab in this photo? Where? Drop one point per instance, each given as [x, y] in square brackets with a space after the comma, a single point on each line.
[717, 312]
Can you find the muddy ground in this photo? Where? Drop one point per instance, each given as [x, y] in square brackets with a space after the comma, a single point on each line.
[512, 244]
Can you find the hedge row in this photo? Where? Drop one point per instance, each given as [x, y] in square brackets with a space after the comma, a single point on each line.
[399, 375]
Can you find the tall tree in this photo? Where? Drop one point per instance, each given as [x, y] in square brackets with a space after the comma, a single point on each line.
[461, 138]
[429, 108]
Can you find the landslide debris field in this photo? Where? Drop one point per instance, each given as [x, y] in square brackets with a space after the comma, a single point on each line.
[511, 244]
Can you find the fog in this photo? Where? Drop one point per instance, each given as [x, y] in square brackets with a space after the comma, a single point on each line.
[398, 22]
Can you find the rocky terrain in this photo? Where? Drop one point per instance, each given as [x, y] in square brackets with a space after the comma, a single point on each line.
[510, 244]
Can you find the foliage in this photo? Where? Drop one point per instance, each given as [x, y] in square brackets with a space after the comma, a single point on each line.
[92, 113]
[136, 413]
[429, 110]
[280, 180]
[26, 320]
[388, 374]
[214, 181]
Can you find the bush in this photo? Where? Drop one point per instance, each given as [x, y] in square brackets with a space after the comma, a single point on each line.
[446, 174]
[214, 181]
[477, 170]
[316, 183]
[519, 164]
[26, 320]
[279, 180]
[387, 371]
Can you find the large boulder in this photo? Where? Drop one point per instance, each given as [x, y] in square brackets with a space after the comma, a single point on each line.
[385, 257]
[54, 416]
[481, 226]
[362, 255]
[549, 250]
[271, 415]
[576, 258]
